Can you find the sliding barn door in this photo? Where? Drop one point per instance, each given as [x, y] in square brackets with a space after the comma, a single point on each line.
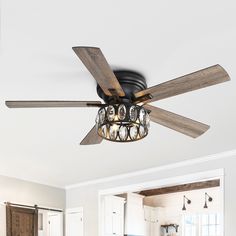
[21, 221]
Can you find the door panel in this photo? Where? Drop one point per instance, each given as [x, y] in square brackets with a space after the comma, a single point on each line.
[74, 224]
[21, 221]
[108, 216]
[55, 224]
[118, 224]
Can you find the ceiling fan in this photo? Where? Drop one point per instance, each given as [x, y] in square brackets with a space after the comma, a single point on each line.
[126, 113]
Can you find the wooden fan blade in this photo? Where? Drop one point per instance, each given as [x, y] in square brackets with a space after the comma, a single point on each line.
[92, 138]
[97, 65]
[47, 104]
[197, 80]
[176, 122]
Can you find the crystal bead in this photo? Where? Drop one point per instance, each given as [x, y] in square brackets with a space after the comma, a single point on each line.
[97, 119]
[141, 131]
[133, 113]
[110, 113]
[142, 114]
[123, 133]
[147, 121]
[133, 132]
[121, 112]
[104, 131]
[102, 114]
[113, 131]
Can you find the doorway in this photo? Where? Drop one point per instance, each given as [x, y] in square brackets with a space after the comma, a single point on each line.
[169, 209]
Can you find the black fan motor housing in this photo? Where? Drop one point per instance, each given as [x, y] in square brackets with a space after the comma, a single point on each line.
[130, 81]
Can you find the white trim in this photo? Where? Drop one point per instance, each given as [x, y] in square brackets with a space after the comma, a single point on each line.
[222, 192]
[190, 178]
[74, 210]
[156, 169]
[32, 181]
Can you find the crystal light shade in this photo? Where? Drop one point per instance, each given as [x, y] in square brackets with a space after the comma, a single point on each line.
[123, 122]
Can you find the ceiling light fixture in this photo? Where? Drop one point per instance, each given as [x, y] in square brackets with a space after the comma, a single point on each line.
[124, 115]
[188, 202]
[207, 199]
[122, 122]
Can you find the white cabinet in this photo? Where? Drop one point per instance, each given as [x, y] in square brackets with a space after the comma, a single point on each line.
[153, 220]
[134, 215]
[113, 219]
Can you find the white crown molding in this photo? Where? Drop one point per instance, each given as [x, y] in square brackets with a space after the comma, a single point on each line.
[170, 181]
[227, 154]
[32, 181]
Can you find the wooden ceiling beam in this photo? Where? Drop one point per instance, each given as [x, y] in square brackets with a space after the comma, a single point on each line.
[181, 188]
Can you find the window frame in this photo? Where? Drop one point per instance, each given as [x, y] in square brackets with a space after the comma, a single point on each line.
[199, 223]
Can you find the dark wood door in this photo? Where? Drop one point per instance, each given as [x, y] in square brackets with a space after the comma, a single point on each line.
[21, 221]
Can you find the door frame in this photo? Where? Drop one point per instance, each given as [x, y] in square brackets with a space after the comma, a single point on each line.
[75, 210]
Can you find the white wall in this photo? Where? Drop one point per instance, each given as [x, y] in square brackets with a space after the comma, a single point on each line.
[24, 192]
[174, 201]
[172, 204]
[87, 196]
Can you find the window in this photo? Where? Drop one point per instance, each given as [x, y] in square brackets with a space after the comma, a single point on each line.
[210, 225]
[201, 225]
[190, 225]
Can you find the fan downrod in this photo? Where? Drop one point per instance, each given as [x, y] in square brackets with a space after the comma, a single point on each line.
[130, 81]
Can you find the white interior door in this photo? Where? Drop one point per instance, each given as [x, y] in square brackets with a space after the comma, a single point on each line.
[74, 222]
[55, 227]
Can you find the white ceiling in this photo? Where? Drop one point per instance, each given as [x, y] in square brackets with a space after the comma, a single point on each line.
[161, 39]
